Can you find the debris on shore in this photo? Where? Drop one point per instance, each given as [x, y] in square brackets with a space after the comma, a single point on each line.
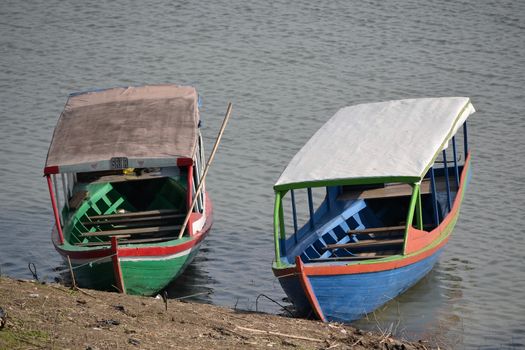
[52, 316]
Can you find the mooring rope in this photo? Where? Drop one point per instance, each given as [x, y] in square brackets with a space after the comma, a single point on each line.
[32, 269]
[276, 302]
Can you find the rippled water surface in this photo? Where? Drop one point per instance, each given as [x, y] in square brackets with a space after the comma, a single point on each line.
[287, 67]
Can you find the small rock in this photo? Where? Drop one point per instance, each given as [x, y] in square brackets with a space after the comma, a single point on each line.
[111, 322]
[34, 295]
[134, 341]
[106, 323]
[120, 308]
[3, 318]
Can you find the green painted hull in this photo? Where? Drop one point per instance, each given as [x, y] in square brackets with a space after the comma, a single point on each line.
[148, 277]
[141, 277]
[146, 268]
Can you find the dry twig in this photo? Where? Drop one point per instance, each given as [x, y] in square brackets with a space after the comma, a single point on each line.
[279, 334]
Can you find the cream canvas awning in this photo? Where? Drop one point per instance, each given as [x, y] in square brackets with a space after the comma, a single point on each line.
[148, 126]
[386, 140]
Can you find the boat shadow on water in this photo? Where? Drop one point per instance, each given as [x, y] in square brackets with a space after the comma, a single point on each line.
[426, 309]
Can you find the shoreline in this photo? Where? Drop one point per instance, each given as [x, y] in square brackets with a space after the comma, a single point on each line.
[53, 316]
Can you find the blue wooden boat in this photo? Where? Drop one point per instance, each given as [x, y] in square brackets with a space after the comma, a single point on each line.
[389, 190]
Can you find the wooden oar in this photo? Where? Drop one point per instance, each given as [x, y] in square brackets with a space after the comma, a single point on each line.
[212, 155]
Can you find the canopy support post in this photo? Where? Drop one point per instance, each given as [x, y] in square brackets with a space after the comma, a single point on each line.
[65, 191]
[57, 197]
[281, 226]
[410, 215]
[328, 199]
[311, 207]
[294, 213]
[434, 195]
[447, 182]
[189, 182]
[456, 171]
[55, 209]
[465, 138]
[419, 209]
[276, 226]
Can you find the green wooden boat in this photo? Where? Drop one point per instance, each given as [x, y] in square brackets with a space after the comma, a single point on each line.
[128, 161]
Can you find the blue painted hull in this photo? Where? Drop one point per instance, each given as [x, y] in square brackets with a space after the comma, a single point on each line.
[345, 298]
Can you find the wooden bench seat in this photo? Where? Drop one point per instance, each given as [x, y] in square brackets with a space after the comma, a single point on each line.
[377, 230]
[388, 191]
[350, 258]
[133, 231]
[395, 190]
[385, 231]
[127, 241]
[133, 220]
[77, 198]
[135, 214]
[366, 243]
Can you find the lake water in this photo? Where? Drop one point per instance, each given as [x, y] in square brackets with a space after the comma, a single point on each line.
[287, 67]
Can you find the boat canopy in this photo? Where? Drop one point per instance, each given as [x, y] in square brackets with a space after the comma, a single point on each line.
[136, 127]
[393, 141]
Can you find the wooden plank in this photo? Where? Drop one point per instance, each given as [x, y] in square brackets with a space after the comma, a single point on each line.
[132, 231]
[377, 229]
[135, 214]
[389, 191]
[127, 241]
[395, 190]
[365, 244]
[351, 258]
[77, 198]
[389, 229]
[124, 221]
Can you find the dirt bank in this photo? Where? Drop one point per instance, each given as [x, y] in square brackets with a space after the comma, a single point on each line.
[52, 316]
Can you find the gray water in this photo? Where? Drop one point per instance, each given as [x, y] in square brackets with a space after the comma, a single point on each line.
[287, 67]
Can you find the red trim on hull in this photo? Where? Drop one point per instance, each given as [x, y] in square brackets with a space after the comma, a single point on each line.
[311, 270]
[116, 266]
[307, 289]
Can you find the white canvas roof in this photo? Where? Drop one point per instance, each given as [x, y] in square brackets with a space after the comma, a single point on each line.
[393, 139]
[151, 126]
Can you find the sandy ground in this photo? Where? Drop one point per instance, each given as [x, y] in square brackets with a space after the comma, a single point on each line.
[52, 316]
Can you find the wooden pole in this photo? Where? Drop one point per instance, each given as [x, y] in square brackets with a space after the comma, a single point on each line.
[71, 272]
[201, 182]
